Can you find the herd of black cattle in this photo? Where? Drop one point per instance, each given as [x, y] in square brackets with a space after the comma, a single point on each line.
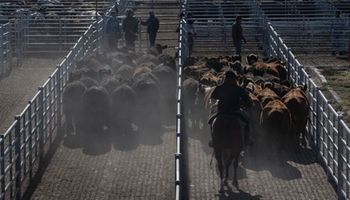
[118, 91]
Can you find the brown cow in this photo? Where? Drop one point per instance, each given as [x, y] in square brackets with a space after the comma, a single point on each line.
[266, 95]
[254, 112]
[276, 119]
[274, 67]
[298, 104]
[210, 79]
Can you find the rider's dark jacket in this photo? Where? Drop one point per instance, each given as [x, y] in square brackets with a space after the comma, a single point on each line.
[229, 97]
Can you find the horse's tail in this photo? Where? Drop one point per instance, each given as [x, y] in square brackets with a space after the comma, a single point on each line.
[211, 160]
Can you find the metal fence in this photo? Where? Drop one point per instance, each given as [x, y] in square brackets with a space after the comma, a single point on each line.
[330, 135]
[213, 25]
[54, 34]
[180, 156]
[313, 28]
[5, 50]
[30, 136]
[28, 139]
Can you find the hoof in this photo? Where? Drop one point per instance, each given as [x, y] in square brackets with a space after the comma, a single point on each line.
[221, 189]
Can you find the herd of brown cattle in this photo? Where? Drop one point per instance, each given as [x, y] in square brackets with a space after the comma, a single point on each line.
[278, 108]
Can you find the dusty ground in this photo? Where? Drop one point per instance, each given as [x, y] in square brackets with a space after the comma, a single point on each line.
[137, 168]
[260, 174]
[21, 85]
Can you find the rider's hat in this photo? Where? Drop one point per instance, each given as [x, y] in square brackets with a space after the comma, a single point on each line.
[230, 75]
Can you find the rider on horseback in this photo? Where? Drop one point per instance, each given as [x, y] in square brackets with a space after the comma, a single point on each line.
[229, 95]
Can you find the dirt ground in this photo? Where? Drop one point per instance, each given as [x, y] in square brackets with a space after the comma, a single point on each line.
[22, 84]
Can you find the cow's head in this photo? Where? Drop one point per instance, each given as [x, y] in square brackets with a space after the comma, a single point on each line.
[252, 58]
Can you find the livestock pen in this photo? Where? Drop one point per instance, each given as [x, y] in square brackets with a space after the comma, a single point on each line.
[117, 175]
[328, 133]
[38, 126]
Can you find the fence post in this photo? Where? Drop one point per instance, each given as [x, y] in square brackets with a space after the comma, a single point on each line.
[30, 142]
[289, 62]
[41, 123]
[317, 122]
[18, 160]
[2, 166]
[300, 76]
[2, 63]
[59, 95]
[340, 159]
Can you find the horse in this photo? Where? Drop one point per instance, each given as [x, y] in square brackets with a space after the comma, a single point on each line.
[227, 139]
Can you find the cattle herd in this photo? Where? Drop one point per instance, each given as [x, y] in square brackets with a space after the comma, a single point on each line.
[279, 109]
[119, 93]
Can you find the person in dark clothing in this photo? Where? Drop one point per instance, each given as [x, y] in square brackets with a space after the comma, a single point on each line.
[229, 96]
[113, 31]
[191, 33]
[237, 35]
[337, 29]
[130, 27]
[152, 24]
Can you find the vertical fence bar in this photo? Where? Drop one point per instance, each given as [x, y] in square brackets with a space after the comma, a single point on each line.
[2, 169]
[18, 160]
[318, 144]
[41, 123]
[340, 157]
[59, 96]
[30, 142]
[2, 63]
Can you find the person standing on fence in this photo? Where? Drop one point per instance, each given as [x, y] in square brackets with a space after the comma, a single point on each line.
[130, 27]
[152, 24]
[113, 31]
[191, 32]
[237, 35]
[337, 27]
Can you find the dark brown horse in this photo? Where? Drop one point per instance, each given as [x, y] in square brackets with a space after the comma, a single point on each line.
[227, 141]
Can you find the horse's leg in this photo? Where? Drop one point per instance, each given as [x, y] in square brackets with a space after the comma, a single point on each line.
[235, 165]
[228, 162]
[218, 158]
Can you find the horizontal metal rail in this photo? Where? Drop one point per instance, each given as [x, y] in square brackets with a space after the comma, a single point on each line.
[329, 133]
[26, 142]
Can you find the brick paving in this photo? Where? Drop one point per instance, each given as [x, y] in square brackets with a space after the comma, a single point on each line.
[143, 170]
[260, 176]
[21, 85]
